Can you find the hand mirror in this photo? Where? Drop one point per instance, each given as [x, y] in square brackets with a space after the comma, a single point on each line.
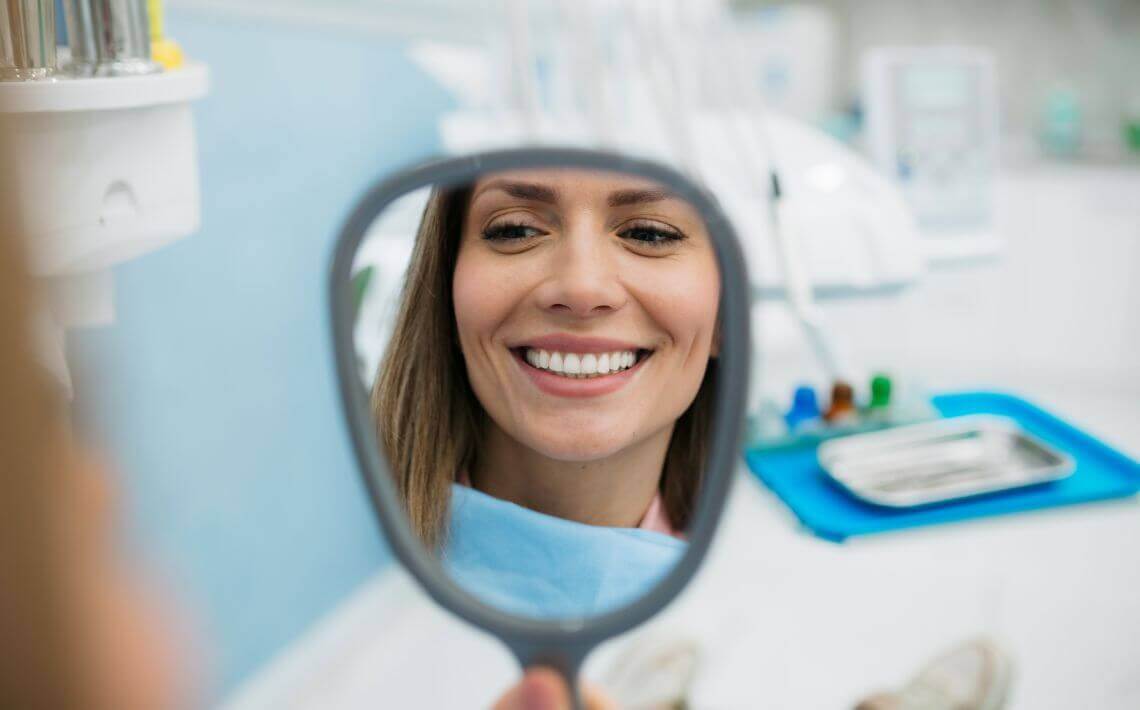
[543, 359]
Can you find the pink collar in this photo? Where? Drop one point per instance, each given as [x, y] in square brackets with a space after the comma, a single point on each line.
[654, 520]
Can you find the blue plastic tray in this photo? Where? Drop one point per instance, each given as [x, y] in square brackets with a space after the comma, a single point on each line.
[832, 513]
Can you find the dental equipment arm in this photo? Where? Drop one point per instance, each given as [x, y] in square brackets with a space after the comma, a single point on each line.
[798, 286]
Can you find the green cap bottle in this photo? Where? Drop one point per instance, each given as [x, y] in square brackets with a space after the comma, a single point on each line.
[880, 392]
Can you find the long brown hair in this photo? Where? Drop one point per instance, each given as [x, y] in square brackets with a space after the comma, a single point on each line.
[428, 419]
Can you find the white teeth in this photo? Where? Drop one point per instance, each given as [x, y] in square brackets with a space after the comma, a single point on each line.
[589, 364]
[604, 364]
[581, 365]
[571, 364]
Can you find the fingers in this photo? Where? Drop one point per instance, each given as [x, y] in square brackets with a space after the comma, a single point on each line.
[539, 689]
[544, 689]
[596, 699]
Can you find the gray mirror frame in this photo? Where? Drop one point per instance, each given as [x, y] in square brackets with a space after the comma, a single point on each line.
[562, 644]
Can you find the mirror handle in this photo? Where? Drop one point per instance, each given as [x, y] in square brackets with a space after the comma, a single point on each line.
[564, 660]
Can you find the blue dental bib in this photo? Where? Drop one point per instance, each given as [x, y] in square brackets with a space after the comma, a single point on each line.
[540, 566]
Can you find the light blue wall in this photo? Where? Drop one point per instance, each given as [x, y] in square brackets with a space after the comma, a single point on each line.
[220, 404]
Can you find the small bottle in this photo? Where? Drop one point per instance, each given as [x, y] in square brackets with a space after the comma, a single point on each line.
[805, 409]
[767, 424]
[880, 404]
[910, 403]
[1062, 123]
[1132, 124]
[842, 408]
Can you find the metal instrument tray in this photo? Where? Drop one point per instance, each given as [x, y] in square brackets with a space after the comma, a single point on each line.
[940, 461]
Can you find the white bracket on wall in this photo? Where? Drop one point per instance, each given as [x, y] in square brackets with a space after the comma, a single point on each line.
[102, 170]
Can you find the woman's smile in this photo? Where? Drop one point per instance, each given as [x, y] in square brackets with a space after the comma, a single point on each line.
[564, 365]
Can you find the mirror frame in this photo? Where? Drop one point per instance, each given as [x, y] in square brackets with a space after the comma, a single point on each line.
[560, 644]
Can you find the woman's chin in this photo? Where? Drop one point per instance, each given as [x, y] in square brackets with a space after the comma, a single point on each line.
[582, 447]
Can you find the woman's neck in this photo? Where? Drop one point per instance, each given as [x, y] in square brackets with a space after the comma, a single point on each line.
[614, 491]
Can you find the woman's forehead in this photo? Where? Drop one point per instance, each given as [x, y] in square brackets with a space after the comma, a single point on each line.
[553, 184]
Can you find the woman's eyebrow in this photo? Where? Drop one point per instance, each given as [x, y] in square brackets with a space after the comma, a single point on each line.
[621, 198]
[521, 190]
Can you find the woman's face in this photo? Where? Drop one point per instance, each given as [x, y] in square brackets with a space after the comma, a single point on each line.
[586, 307]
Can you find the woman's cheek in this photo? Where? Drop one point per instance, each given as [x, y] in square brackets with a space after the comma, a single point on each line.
[472, 300]
[482, 300]
[685, 305]
[701, 301]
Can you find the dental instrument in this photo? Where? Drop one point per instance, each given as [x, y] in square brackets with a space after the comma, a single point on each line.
[122, 31]
[27, 40]
[83, 53]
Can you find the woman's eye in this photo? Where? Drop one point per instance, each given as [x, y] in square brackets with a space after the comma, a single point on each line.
[651, 234]
[510, 232]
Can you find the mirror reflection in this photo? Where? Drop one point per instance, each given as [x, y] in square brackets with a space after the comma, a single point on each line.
[541, 348]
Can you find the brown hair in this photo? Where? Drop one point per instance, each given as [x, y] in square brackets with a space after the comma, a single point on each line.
[35, 668]
[428, 420]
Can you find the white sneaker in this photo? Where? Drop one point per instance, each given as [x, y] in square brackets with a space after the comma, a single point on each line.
[975, 675]
[653, 673]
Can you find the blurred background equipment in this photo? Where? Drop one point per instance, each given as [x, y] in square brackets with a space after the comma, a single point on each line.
[931, 118]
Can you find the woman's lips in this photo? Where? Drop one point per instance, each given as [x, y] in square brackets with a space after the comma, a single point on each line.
[563, 386]
[567, 343]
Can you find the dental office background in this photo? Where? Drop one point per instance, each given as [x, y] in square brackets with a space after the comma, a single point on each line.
[221, 411]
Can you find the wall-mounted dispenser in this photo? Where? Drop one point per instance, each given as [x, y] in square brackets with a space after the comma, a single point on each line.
[97, 170]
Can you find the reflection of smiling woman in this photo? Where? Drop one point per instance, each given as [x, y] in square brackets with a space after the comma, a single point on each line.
[553, 349]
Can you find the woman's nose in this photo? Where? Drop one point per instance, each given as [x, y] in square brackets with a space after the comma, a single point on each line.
[583, 280]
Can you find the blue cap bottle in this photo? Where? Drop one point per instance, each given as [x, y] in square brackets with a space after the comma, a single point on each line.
[805, 407]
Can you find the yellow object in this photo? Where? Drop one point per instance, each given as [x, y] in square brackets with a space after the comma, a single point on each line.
[167, 53]
[164, 51]
[154, 12]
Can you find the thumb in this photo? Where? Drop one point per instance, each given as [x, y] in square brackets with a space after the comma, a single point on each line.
[539, 689]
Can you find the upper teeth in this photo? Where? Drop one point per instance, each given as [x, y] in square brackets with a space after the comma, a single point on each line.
[581, 365]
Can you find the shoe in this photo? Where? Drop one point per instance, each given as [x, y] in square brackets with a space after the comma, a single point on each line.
[653, 673]
[975, 675]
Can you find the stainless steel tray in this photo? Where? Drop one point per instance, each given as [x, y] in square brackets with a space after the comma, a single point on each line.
[941, 461]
